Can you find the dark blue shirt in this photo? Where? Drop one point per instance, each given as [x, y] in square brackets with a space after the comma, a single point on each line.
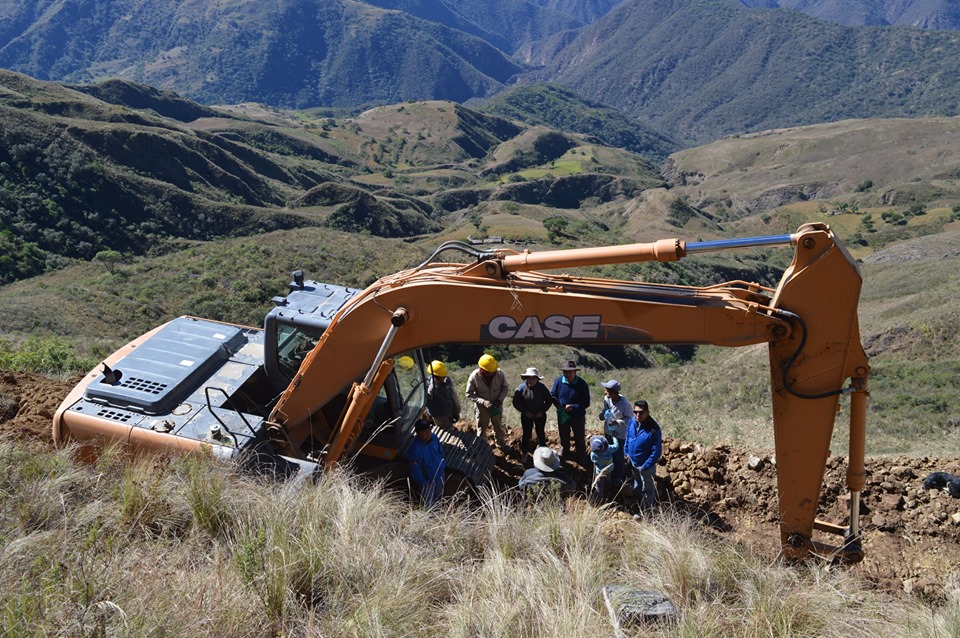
[575, 393]
[532, 399]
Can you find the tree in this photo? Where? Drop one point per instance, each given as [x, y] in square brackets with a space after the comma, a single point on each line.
[555, 227]
[109, 258]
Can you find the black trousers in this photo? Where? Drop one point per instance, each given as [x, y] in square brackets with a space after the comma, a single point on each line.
[528, 424]
[578, 425]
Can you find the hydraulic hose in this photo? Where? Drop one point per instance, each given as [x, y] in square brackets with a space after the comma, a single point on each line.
[793, 358]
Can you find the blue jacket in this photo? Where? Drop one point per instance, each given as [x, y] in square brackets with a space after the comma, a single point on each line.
[603, 461]
[576, 394]
[644, 443]
[426, 461]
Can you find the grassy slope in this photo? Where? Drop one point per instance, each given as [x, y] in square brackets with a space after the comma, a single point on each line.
[906, 160]
[229, 280]
[184, 548]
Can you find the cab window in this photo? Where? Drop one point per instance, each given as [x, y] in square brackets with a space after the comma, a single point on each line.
[402, 394]
[293, 344]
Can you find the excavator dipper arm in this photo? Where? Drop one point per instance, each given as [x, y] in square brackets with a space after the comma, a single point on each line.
[809, 322]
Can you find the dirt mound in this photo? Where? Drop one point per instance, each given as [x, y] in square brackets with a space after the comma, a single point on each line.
[911, 534]
[27, 405]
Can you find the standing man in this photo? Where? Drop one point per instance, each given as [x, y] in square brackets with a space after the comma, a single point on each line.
[644, 446]
[426, 463]
[487, 389]
[443, 406]
[615, 415]
[532, 400]
[571, 396]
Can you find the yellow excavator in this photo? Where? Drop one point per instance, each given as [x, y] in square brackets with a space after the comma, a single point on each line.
[338, 373]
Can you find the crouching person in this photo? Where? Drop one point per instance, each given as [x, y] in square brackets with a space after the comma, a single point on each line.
[602, 454]
[427, 464]
[546, 477]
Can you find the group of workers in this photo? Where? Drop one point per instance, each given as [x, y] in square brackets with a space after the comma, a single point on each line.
[631, 440]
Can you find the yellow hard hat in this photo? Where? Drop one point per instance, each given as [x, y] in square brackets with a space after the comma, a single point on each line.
[488, 363]
[405, 362]
[437, 368]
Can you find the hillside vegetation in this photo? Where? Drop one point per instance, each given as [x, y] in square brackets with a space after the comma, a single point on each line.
[707, 68]
[121, 169]
[554, 106]
[927, 14]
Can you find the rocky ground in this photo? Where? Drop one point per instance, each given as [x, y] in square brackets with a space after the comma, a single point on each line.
[911, 534]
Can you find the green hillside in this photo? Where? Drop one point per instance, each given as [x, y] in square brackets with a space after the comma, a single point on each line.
[702, 69]
[85, 178]
[560, 108]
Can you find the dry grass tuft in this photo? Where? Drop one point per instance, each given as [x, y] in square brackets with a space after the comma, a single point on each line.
[154, 547]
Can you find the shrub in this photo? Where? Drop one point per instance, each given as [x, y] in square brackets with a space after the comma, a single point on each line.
[43, 355]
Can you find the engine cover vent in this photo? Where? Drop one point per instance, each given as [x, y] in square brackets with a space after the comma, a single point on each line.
[113, 415]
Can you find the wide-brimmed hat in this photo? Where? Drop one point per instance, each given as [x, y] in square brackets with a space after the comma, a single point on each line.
[569, 365]
[531, 372]
[545, 459]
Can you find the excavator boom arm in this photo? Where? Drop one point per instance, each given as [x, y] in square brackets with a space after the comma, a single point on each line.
[809, 322]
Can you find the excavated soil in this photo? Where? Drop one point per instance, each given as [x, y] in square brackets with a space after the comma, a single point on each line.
[911, 535]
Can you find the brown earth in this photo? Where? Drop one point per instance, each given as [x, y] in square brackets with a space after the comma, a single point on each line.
[911, 535]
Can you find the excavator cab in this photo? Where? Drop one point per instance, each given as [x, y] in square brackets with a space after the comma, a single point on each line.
[295, 324]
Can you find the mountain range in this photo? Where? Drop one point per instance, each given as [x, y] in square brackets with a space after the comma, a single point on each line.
[694, 70]
[925, 14]
[702, 69]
